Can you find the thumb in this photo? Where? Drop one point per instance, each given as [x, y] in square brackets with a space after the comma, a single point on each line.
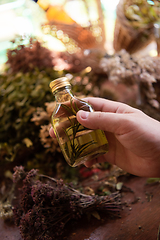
[107, 121]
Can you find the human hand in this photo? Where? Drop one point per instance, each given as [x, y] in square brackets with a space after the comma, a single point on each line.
[133, 137]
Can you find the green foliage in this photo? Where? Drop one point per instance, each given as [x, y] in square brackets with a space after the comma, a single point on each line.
[20, 95]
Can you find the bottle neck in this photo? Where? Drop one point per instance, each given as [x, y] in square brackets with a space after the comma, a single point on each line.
[63, 94]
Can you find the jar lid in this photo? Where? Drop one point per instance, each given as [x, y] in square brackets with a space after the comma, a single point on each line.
[59, 83]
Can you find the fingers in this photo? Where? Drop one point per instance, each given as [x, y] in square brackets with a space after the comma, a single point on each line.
[104, 118]
[104, 105]
[109, 122]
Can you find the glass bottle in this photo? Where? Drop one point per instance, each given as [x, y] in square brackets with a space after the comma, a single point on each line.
[78, 144]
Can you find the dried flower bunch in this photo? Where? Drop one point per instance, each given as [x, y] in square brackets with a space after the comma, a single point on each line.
[143, 71]
[42, 118]
[45, 205]
[26, 57]
[141, 12]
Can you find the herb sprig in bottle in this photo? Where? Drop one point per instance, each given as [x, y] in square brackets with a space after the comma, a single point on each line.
[78, 144]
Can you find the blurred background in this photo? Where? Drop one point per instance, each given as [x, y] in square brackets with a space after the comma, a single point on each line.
[25, 17]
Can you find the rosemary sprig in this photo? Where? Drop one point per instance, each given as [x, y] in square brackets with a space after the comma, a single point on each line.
[71, 133]
[68, 109]
[80, 149]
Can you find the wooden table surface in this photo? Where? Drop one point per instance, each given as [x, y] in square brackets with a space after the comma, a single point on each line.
[140, 218]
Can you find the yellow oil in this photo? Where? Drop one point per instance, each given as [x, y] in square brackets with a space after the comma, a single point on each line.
[77, 148]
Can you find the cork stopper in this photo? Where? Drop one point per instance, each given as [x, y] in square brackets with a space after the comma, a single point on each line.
[59, 83]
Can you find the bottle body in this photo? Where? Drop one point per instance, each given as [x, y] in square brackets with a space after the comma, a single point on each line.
[78, 144]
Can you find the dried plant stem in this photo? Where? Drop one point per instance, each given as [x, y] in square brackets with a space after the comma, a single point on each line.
[45, 205]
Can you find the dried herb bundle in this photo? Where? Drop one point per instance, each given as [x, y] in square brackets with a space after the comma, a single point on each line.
[42, 118]
[125, 68]
[134, 27]
[46, 205]
[21, 94]
[141, 13]
[26, 57]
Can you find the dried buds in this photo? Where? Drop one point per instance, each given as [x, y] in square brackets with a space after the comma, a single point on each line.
[45, 205]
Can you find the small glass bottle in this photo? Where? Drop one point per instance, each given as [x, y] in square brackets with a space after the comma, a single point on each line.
[78, 144]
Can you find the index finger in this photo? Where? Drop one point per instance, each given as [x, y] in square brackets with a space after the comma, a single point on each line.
[105, 105]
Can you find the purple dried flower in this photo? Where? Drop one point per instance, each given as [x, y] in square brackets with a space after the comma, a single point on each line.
[46, 205]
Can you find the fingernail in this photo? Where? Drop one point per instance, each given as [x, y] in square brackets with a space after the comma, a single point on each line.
[84, 115]
[51, 132]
